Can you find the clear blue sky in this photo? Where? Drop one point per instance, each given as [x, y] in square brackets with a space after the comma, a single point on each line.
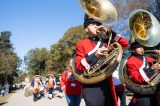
[38, 23]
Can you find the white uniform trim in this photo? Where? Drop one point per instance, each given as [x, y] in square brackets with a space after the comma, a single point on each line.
[141, 71]
[85, 63]
[94, 50]
[117, 37]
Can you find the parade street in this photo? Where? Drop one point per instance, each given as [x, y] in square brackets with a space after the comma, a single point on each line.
[18, 99]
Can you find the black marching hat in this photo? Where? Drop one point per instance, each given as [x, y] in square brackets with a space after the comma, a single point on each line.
[135, 45]
[88, 20]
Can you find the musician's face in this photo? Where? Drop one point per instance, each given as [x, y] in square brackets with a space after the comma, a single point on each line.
[139, 51]
[91, 29]
[50, 77]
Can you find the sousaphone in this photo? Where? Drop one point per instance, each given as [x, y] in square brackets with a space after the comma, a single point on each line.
[105, 12]
[145, 29]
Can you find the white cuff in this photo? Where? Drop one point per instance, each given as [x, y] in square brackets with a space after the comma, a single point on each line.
[63, 87]
[117, 37]
[85, 64]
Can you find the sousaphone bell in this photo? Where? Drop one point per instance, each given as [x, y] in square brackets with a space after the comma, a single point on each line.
[100, 10]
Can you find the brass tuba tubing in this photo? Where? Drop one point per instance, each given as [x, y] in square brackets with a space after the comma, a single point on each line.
[157, 55]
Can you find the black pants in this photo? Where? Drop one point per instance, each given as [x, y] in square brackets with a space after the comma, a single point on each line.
[98, 94]
[50, 90]
[157, 95]
[145, 100]
[35, 96]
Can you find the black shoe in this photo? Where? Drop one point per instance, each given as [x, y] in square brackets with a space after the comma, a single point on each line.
[34, 100]
[49, 98]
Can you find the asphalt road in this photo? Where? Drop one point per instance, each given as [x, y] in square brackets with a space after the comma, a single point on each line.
[18, 99]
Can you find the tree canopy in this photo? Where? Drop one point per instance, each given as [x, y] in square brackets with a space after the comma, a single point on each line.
[9, 61]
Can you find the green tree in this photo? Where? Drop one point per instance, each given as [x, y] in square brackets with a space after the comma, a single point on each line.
[65, 48]
[9, 61]
[35, 60]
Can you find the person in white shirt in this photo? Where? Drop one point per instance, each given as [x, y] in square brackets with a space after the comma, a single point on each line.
[119, 88]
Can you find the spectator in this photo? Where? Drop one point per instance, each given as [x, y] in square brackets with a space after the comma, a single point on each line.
[120, 89]
[6, 87]
[70, 86]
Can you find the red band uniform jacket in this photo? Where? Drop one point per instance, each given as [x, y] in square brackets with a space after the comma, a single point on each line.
[138, 70]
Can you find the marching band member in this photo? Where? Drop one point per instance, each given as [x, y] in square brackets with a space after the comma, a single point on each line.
[41, 88]
[87, 53]
[60, 94]
[50, 85]
[141, 68]
[35, 84]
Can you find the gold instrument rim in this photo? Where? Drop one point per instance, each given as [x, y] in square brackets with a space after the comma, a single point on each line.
[107, 13]
[153, 38]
